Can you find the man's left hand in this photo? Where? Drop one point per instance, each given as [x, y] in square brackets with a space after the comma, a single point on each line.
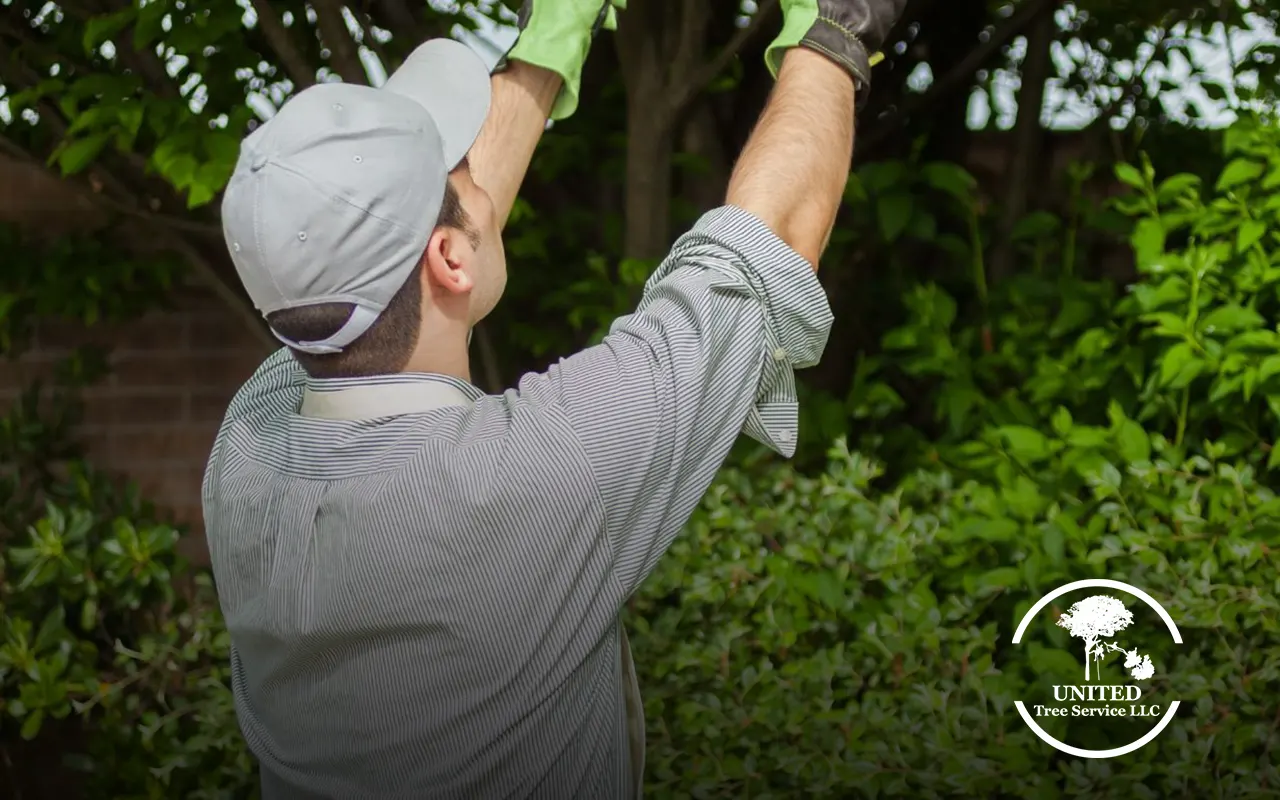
[556, 35]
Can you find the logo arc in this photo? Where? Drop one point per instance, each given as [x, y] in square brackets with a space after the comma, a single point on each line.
[1096, 583]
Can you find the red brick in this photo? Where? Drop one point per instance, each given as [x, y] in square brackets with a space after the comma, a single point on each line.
[182, 443]
[57, 335]
[210, 405]
[194, 547]
[219, 332]
[191, 295]
[140, 370]
[169, 487]
[126, 407]
[20, 374]
[156, 332]
[221, 371]
[98, 447]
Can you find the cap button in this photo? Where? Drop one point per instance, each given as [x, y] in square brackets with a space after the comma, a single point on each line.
[259, 161]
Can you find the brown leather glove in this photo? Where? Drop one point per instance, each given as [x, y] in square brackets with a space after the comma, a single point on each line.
[848, 32]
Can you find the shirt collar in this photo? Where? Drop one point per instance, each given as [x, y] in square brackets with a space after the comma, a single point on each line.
[322, 385]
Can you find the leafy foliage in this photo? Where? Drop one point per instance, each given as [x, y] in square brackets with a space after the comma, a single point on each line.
[112, 650]
[812, 634]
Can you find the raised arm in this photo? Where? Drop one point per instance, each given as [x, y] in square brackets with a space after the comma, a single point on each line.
[536, 80]
[710, 353]
[522, 98]
[792, 172]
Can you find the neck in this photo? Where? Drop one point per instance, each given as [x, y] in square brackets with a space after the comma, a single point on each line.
[442, 354]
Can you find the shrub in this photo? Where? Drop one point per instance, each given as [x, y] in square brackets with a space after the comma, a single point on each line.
[838, 635]
[113, 655]
[845, 632]
[102, 619]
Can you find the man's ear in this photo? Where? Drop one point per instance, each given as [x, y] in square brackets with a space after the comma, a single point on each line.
[443, 261]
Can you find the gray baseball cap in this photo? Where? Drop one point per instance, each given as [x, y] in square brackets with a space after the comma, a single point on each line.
[334, 198]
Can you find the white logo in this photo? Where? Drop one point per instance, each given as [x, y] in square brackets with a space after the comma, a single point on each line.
[1096, 620]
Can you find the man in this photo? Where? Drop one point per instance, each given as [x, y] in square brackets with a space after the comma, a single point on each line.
[422, 583]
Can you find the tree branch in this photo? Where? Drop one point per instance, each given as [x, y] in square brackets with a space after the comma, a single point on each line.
[688, 25]
[105, 189]
[369, 40]
[1027, 133]
[400, 20]
[296, 66]
[702, 77]
[950, 82]
[344, 55]
[205, 271]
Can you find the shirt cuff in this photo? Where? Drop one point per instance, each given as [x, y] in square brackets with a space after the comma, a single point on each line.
[797, 315]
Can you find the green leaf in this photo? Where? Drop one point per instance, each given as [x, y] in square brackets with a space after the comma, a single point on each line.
[1129, 174]
[31, 725]
[1053, 662]
[100, 29]
[1270, 366]
[1179, 366]
[1176, 186]
[1239, 171]
[1026, 442]
[1148, 240]
[999, 578]
[854, 191]
[1061, 421]
[150, 24]
[893, 213]
[1132, 442]
[949, 178]
[1230, 318]
[991, 530]
[78, 155]
[1249, 234]
[1106, 480]
[1053, 542]
[51, 629]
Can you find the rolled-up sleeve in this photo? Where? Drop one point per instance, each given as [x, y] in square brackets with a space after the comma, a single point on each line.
[794, 316]
[709, 353]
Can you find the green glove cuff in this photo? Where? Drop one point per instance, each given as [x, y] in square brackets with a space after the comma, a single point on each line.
[801, 15]
[557, 37]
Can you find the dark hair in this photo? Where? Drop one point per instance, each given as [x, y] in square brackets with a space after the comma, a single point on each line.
[384, 348]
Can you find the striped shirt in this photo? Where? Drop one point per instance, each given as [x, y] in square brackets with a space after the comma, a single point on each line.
[425, 604]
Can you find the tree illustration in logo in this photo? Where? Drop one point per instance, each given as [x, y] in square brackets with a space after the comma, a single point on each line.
[1101, 617]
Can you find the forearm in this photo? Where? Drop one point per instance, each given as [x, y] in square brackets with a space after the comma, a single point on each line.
[793, 170]
[522, 98]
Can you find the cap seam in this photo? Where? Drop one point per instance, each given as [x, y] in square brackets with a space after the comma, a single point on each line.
[336, 196]
[257, 238]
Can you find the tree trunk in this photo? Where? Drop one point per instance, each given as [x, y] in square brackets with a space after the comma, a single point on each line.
[702, 139]
[953, 30]
[1028, 137]
[648, 192]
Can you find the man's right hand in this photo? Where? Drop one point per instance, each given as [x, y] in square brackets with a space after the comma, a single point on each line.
[848, 32]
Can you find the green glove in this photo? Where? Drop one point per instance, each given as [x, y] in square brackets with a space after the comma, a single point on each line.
[849, 32]
[556, 35]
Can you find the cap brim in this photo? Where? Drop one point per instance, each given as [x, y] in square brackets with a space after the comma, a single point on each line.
[451, 82]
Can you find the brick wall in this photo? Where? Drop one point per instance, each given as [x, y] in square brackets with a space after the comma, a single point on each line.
[152, 420]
